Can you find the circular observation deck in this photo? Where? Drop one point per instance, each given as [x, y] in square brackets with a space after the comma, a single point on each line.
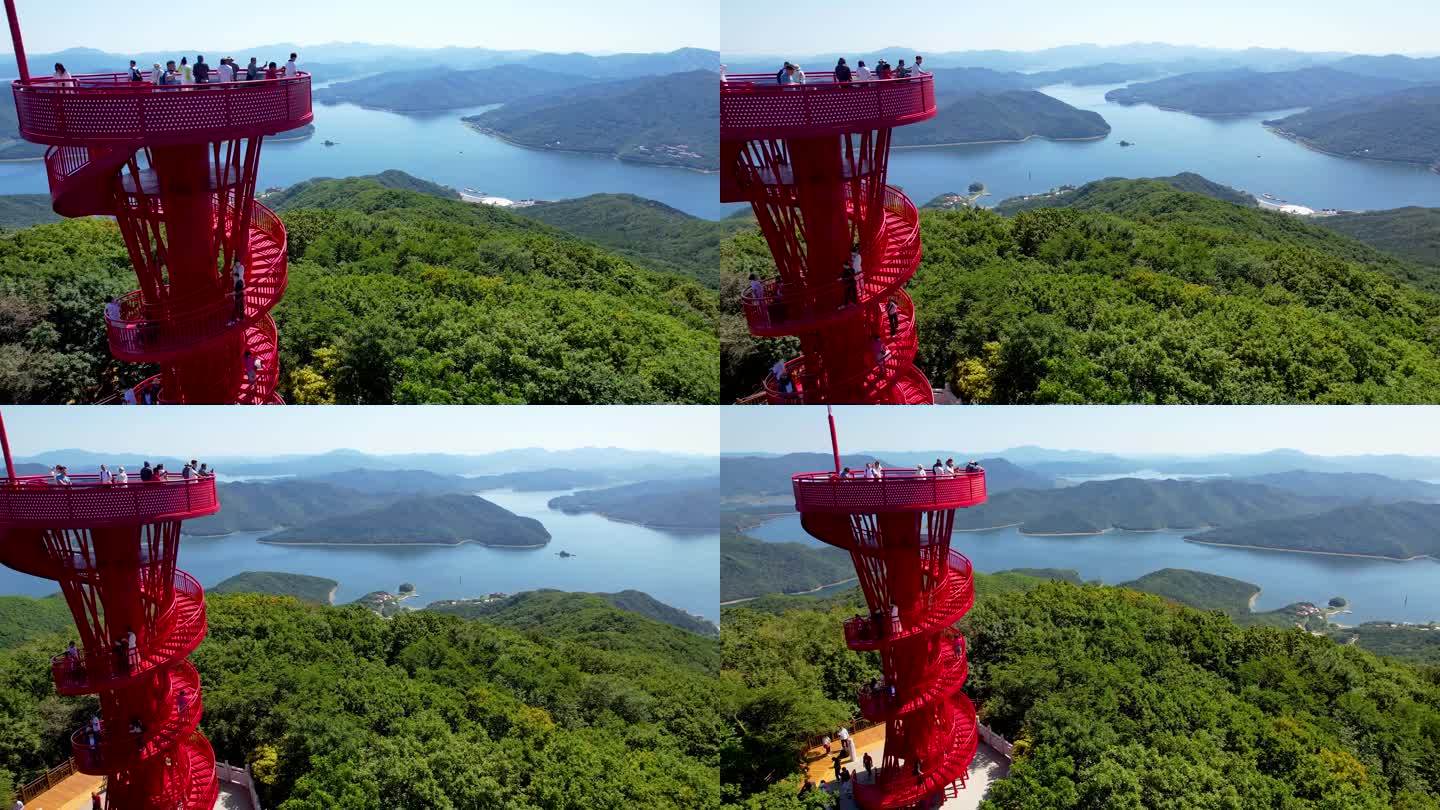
[790, 309]
[175, 635]
[96, 109]
[899, 490]
[159, 333]
[878, 707]
[948, 602]
[953, 748]
[754, 105]
[36, 502]
[120, 749]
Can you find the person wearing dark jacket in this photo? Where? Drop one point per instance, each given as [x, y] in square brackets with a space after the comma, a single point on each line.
[842, 71]
[201, 70]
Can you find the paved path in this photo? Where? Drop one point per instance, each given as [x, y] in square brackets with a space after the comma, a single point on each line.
[987, 767]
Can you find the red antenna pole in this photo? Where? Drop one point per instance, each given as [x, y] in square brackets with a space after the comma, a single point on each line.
[19, 43]
[834, 442]
[5, 445]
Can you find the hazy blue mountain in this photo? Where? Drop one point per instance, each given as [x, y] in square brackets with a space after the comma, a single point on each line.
[1393, 66]
[538, 480]
[1248, 91]
[403, 482]
[1357, 486]
[429, 89]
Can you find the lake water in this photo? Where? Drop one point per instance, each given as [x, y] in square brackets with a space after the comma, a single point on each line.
[679, 569]
[441, 148]
[1376, 589]
[1235, 151]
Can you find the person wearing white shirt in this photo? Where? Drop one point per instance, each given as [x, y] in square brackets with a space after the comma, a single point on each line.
[112, 311]
[238, 271]
[129, 396]
[121, 477]
[757, 289]
[290, 70]
[105, 476]
[855, 263]
[919, 470]
[919, 70]
[870, 472]
[63, 76]
[799, 77]
[862, 73]
[722, 74]
[227, 71]
[157, 76]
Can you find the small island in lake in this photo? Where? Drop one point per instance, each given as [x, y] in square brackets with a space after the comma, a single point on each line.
[318, 590]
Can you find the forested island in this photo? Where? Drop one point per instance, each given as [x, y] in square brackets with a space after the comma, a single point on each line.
[1403, 127]
[542, 609]
[1397, 531]
[1015, 115]
[306, 588]
[684, 503]
[1205, 301]
[663, 120]
[395, 296]
[1112, 699]
[751, 568]
[340, 709]
[443, 520]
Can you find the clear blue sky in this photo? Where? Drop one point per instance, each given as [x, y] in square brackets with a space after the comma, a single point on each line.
[222, 430]
[802, 27]
[1116, 429]
[549, 25]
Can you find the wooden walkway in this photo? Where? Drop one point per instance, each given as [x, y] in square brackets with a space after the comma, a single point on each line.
[73, 793]
[987, 767]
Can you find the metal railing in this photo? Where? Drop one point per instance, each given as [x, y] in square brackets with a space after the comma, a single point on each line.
[109, 108]
[755, 105]
[902, 489]
[36, 501]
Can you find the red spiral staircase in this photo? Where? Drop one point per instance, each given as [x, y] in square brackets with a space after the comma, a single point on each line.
[113, 549]
[811, 160]
[897, 530]
[176, 166]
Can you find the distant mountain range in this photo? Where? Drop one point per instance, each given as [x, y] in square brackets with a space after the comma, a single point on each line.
[259, 507]
[430, 89]
[1135, 504]
[426, 520]
[1350, 486]
[1242, 92]
[687, 503]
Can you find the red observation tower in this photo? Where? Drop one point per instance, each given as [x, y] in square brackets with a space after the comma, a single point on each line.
[897, 530]
[811, 160]
[112, 548]
[175, 165]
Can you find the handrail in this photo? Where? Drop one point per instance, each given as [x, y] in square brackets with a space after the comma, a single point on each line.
[117, 749]
[107, 111]
[900, 489]
[755, 106]
[37, 502]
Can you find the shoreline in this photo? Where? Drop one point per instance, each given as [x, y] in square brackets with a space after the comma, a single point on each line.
[1302, 141]
[794, 593]
[391, 545]
[658, 526]
[486, 131]
[1021, 140]
[1305, 551]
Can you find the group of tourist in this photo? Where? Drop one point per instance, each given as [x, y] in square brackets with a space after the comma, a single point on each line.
[193, 471]
[791, 73]
[200, 72]
[147, 394]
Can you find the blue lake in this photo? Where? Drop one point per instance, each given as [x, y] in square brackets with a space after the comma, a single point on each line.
[1236, 151]
[441, 148]
[679, 569]
[1377, 589]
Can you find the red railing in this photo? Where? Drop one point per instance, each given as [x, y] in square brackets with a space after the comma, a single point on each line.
[156, 332]
[189, 780]
[755, 106]
[947, 603]
[175, 635]
[878, 706]
[899, 490]
[787, 309]
[36, 502]
[946, 760]
[119, 749]
[109, 108]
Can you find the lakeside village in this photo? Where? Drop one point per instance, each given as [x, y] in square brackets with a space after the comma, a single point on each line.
[1269, 202]
[468, 195]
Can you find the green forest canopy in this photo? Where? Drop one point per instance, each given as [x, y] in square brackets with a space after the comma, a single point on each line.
[1139, 293]
[339, 709]
[1114, 699]
[394, 297]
